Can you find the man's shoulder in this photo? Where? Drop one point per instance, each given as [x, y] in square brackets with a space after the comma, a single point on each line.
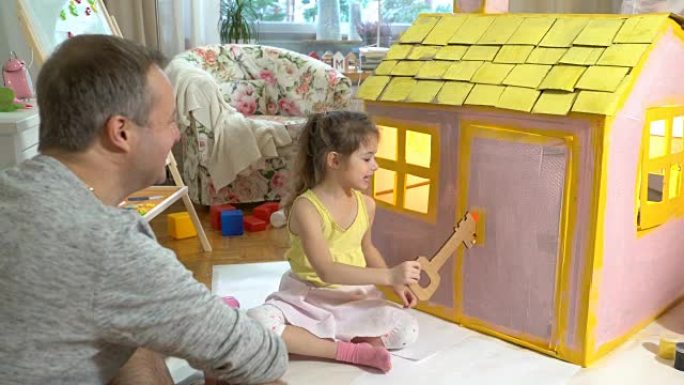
[39, 175]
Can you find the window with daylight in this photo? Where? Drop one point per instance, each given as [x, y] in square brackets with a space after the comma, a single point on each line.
[389, 17]
[660, 180]
[406, 179]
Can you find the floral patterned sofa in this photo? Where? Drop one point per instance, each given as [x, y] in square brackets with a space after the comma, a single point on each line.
[260, 82]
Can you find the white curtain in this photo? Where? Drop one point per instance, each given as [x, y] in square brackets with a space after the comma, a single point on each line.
[646, 6]
[172, 26]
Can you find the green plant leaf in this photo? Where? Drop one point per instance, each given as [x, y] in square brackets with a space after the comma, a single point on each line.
[236, 21]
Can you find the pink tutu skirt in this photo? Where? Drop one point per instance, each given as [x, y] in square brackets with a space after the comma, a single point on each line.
[341, 312]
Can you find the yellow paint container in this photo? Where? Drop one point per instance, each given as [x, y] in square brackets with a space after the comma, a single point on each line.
[666, 349]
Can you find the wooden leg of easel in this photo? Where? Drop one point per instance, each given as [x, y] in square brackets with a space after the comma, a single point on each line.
[173, 167]
[195, 221]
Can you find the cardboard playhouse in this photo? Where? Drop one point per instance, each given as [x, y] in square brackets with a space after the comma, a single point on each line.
[565, 134]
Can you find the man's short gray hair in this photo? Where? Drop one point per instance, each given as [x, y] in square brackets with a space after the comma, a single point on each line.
[86, 81]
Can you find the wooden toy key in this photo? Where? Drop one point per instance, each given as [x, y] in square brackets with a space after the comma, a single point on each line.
[464, 232]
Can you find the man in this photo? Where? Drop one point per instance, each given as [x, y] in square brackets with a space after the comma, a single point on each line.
[83, 284]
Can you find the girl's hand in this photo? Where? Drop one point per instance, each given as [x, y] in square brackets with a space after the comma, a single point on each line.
[405, 273]
[406, 295]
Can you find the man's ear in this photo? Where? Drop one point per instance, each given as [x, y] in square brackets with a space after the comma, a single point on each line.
[117, 133]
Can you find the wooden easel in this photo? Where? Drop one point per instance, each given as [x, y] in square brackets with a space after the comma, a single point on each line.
[173, 167]
[168, 194]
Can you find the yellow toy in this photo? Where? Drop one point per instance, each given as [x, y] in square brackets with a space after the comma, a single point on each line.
[180, 225]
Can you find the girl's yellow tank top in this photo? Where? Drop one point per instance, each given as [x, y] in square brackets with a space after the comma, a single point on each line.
[344, 244]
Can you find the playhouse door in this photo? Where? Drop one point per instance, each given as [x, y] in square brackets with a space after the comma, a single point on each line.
[508, 281]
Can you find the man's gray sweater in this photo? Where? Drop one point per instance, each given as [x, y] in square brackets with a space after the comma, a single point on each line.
[82, 285]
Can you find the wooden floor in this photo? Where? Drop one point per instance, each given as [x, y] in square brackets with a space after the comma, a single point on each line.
[262, 246]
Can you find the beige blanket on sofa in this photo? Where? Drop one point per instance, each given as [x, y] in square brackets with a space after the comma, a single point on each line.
[240, 144]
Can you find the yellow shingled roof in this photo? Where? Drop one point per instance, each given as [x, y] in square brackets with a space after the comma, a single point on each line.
[547, 64]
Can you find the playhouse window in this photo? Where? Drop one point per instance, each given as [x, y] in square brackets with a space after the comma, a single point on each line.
[418, 148]
[660, 192]
[675, 181]
[657, 139]
[387, 147]
[406, 178]
[677, 135]
[417, 193]
[385, 185]
[655, 186]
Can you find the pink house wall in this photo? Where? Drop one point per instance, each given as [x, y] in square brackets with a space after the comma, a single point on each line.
[641, 274]
[400, 237]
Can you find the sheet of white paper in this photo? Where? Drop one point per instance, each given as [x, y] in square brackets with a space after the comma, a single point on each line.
[471, 359]
[250, 283]
[476, 360]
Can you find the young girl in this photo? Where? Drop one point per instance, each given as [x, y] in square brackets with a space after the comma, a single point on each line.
[327, 305]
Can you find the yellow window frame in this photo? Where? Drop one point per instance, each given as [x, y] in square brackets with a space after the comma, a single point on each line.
[654, 213]
[402, 168]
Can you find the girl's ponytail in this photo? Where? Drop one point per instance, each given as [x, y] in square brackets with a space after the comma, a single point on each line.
[303, 175]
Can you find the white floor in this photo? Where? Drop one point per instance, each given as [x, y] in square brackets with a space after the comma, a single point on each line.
[449, 354]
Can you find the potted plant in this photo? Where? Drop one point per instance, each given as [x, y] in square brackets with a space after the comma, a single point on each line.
[236, 21]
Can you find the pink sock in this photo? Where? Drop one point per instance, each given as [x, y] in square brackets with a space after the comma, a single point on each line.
[364, 354]
[231, 301]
